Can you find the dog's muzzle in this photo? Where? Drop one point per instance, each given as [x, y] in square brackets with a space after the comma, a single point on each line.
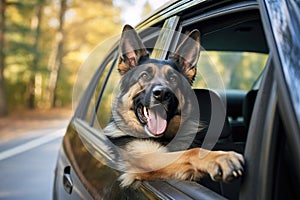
[155, 116]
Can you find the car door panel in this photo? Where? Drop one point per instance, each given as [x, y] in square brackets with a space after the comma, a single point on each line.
[91, 176]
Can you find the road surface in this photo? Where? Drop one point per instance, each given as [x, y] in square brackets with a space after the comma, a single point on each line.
[27, 163]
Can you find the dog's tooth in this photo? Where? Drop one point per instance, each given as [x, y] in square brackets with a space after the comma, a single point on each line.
[240, 172]
[235, 174]
[145, 112]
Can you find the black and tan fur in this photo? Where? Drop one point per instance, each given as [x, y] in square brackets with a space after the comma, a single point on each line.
[153, 106]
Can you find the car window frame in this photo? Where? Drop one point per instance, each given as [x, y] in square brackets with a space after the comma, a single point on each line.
[164, 40]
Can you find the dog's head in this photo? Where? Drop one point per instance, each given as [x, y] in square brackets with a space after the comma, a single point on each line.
[154, 92]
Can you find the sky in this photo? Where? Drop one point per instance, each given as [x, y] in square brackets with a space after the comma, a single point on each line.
[132, 9]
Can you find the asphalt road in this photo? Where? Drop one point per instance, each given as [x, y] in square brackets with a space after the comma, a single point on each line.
[27, 164]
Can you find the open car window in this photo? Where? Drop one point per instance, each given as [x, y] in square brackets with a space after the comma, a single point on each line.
[238, 70]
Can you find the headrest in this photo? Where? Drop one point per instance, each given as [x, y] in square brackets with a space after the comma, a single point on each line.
[212, 115]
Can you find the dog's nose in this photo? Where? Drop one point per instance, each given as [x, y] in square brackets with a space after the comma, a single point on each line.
[161, 93]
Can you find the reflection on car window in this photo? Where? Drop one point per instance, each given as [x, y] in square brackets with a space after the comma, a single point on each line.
[237, 70]
[92, 105]
[105, 106]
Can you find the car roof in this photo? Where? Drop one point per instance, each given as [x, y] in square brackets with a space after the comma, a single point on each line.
[242, 33]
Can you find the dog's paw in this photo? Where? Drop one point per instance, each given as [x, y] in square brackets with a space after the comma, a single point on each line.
[225, 166]
[127, 179]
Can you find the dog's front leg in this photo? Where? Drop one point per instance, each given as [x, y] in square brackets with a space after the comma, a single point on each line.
[185, 165]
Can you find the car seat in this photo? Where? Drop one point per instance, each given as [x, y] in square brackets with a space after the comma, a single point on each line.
[213, 114]
[213, 117]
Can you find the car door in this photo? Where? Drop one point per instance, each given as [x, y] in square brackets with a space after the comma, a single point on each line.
[273, 143]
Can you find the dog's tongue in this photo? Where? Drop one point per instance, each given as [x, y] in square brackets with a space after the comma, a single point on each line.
[157, 122]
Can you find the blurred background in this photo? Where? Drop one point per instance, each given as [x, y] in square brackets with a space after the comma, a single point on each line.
[44, 42]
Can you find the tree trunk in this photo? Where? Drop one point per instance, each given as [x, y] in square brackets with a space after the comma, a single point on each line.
[36, 26]
[3, 103]
[55, 61]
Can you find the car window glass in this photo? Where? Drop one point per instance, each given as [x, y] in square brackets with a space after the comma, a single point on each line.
[105, 106]
[92, 106]
[238, 70]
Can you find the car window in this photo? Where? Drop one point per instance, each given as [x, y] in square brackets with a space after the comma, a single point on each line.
[238, 70]
[93, 102]
[103, 111]
[234, 49]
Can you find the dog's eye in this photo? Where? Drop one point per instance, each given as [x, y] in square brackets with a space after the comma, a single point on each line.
[145, 75]
[172, 78]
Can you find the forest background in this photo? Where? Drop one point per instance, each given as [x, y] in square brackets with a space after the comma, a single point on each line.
[44, 42]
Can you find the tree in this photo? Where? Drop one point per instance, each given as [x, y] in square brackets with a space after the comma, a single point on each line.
[82, 32]
[3, 103]
[56, 57]
[46, 39]
[36, 27]
[25, 60]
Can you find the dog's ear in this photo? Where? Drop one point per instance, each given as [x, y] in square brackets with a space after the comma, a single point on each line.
[187, 54]
[131, 49]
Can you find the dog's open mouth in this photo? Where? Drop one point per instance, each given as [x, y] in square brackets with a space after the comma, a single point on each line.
[154, 119]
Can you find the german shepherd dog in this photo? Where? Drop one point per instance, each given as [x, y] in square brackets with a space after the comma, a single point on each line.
[155, 105]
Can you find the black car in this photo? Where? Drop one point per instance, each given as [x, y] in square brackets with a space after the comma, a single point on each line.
[253, 50]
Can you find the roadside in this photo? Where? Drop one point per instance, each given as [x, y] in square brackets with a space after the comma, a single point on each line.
[18, 123]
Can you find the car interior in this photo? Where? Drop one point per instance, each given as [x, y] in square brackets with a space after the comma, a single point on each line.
[236, 32]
